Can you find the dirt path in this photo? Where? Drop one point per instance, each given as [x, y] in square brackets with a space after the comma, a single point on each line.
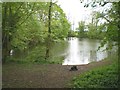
[42, 76]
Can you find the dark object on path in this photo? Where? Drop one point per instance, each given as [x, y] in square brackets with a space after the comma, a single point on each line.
[73, 68]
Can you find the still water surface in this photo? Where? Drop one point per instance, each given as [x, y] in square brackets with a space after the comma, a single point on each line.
[73, 51]
[83, 51]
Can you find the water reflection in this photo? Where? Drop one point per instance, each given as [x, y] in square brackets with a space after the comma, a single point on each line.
[83, 51]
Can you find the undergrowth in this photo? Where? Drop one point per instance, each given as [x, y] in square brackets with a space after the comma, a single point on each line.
[103, 77]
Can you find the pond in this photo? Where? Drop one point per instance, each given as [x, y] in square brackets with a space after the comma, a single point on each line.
[73, 51]
[83, 51]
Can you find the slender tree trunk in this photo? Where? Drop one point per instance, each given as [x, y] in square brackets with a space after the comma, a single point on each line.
[49, 33]
[7, 28]
[4, 36]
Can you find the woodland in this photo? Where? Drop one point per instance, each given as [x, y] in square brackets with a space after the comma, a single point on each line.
[31, 29]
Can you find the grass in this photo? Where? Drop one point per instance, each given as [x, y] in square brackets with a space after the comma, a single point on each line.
[38, 60]
[37, 55]
[103, 77]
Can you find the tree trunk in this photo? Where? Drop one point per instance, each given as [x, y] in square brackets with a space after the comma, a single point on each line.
[7, 25]
[6, 49]
[4, 44]
[49, 33]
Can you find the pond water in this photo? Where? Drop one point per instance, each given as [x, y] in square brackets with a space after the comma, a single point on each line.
[83, 51]
[73, 51]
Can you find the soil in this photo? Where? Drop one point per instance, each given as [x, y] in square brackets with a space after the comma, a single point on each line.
[42, 75]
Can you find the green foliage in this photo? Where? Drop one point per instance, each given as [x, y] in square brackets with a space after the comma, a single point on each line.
[103, 77]
[92, 30]
[14, 15]
[81, 28]
[60, 25]
[37, 54]
[72, 33]
[25, 25]
[29, 35]
[109, 30]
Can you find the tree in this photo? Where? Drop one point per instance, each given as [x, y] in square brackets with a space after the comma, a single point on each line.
[58, 26]
[92, 30]
[49, 32]
[10, 19]
[81, 29]
[32, 24]
[14, 15]
[112, 16]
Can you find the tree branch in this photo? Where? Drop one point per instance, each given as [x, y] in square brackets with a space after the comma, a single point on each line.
[28, 15]
[17, 10]
[107, 19]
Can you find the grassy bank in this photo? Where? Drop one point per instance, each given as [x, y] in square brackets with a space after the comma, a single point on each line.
[102, 77]
[37, 55]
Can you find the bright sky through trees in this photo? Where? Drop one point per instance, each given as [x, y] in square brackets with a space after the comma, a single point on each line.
[76, 11]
